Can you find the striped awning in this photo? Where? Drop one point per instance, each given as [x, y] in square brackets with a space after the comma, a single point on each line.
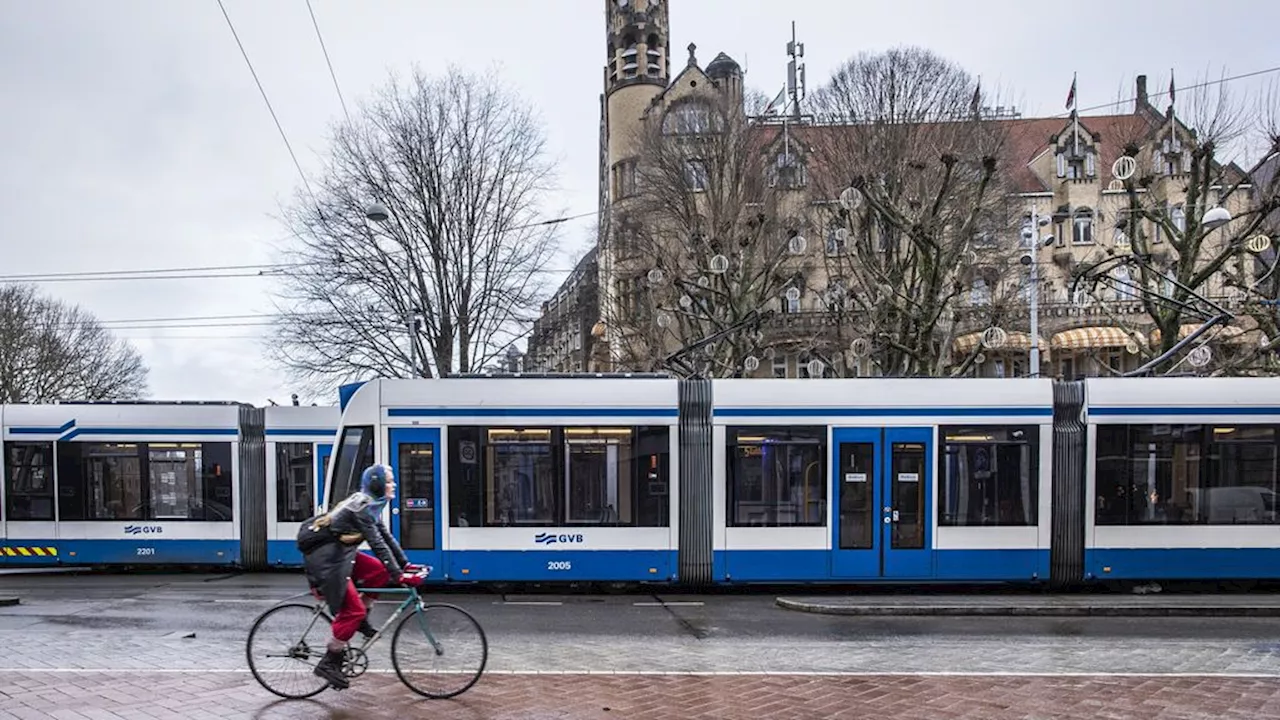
[1215, 333]
[1014, 342]
[1086, 338]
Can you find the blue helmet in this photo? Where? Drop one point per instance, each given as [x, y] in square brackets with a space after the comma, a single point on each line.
[374, 481]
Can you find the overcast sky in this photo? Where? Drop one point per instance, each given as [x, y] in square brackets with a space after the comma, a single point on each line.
[135, 138]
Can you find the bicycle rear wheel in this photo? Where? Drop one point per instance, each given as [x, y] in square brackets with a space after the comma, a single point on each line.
[283, 648]
[440, 651]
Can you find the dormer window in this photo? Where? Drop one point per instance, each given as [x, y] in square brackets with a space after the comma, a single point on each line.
[695, 174]
[787, 171]
[1077, 166]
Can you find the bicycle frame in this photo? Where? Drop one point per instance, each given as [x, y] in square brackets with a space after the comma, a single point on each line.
[412, 599]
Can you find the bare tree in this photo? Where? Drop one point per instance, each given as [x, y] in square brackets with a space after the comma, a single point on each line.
[1184, 268]
[921, 243]
[705, 246]
[50, 351]
[459, 164]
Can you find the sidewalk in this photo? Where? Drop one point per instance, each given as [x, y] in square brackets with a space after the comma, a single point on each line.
[1093, 605]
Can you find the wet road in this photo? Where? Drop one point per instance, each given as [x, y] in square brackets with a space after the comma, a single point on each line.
[172, 646]
[201, 621]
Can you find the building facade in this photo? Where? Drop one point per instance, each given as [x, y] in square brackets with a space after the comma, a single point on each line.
[1060, 171]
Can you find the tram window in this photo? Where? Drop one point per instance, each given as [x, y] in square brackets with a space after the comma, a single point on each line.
[144, 481]
[295, 480]
[28, 471]
[777, 476]
[552, 476]
[990, 476]
[354, 454]
[1186, 475]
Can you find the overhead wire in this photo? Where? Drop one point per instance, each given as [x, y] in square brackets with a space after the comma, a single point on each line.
[198, 272]
[316, 24]
[1197, 86]
[266, 99]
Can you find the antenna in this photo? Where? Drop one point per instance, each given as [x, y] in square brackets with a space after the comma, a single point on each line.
[795, 71]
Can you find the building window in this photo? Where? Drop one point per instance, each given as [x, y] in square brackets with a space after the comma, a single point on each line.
[1125, 289]
[1186, 475]
[695, 174]
[777, 476]
[1082, 227]
[989, 476]
[28, 472]
[780, 366]
[980, 294]
[837, 234]
[689, 118]
[295, 481]
[144, 481]
[1178, 215]
[787, 171]
[554, 476]
[624, 180]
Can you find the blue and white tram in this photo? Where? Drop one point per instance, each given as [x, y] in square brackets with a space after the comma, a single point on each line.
[107, 483]
[299, 442]
[1182, 479]
[522, 479]
[867, 480]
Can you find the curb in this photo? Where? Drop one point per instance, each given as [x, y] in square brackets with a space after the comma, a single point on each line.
[1030, 611]
[9, 601]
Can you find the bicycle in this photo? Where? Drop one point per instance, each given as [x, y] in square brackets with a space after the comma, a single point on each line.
[356, 662]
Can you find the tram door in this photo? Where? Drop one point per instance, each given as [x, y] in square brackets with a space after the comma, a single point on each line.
[415, 520]
[881, 489]
[323, 452]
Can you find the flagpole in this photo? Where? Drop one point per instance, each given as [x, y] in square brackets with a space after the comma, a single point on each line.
[1075, 118]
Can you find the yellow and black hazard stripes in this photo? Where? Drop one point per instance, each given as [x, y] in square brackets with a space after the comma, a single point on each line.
[27, 551]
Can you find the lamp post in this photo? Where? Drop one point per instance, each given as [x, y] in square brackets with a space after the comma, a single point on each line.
[1032, 234]
[378, 213]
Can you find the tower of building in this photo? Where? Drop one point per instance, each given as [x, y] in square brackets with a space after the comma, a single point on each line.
[637, 70]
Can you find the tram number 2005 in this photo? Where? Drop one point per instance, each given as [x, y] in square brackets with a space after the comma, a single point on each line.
[559, 565]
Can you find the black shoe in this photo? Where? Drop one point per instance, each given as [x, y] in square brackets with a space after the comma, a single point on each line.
[330, 668]
[366, 629]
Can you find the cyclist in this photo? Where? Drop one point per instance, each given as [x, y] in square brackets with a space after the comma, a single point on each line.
[334, 566]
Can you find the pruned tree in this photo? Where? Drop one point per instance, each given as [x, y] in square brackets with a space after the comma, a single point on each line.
[459, 165]
[921, 245]
[706, 245]
[51, 351]
[1187, 233]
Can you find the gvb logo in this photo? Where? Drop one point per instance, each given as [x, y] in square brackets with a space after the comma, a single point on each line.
[549, 539]
[143, 529]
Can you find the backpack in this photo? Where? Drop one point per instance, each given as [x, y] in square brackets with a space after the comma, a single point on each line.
[316, 531]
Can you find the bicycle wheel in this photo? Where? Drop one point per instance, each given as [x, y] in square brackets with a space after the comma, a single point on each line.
[292, 637]
[447, 643]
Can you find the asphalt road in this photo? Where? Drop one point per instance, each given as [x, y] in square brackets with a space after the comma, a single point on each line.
[175, 622]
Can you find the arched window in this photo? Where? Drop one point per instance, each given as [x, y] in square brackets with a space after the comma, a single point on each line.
[1082, 227]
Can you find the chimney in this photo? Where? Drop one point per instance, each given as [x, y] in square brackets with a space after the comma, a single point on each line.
[1141, 101]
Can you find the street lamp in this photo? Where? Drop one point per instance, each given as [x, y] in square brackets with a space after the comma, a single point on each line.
[378, 213]
[1032, 234]
[1215, 218]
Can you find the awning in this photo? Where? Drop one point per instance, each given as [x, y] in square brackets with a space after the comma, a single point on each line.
[1086, 338]
[1014, 342]
[1215, 333]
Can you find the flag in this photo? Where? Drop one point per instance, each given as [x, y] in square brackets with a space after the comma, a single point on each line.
[975, 105]
[1071, 94]
[776, 104]
[1171, 91]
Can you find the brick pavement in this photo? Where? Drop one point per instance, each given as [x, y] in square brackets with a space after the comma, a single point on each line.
[197, 696]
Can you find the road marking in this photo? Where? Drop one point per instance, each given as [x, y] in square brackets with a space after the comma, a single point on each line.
[691, 673]
[678, 603]
[528, 602]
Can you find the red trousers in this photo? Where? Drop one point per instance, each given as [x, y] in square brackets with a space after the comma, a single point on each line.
[368, 571]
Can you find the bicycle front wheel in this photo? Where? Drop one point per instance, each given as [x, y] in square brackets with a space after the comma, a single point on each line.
[440, 651]
[284, 646]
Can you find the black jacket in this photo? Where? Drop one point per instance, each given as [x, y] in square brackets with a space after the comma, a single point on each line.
[329, 565]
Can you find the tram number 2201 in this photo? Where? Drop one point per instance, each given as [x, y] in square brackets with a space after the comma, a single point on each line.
[559, 565]
[146, 551]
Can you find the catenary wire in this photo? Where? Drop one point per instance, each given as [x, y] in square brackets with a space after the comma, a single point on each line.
[316, 24]
[266, 100]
